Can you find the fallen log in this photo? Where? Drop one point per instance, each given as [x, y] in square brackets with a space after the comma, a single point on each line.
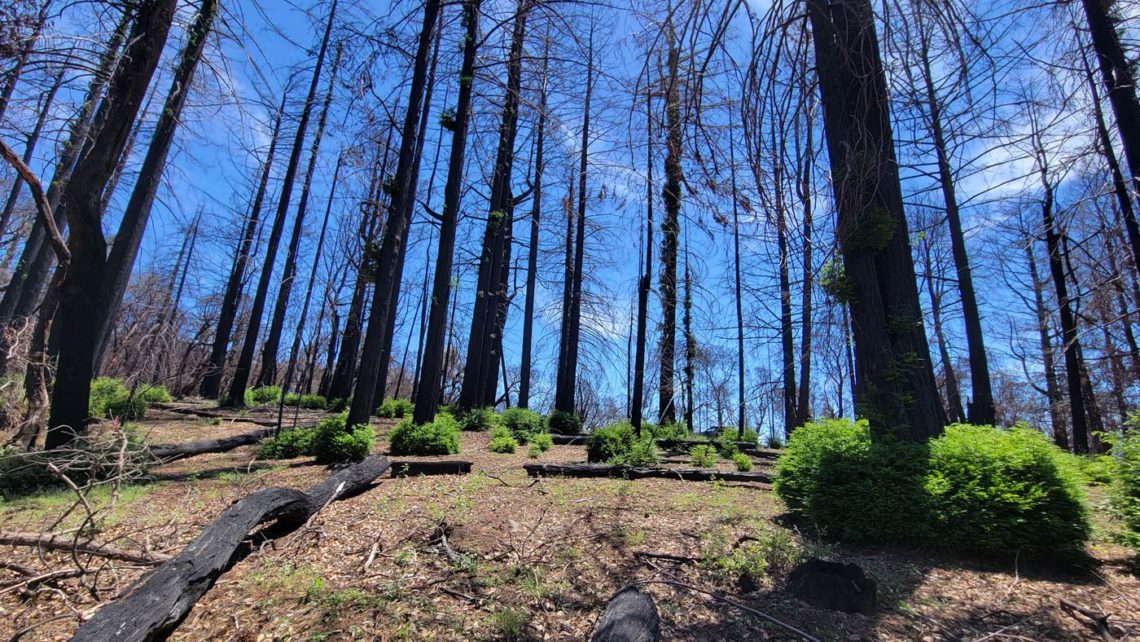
[171, 452]
[638, 472]
[195, 412]
[414, 468]
[681, 445]
[87, 546]
[631, 616]
[164, 598]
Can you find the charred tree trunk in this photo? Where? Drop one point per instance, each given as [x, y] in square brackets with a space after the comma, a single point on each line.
[269, 349]
[407, 175]
[211, 386]
[981, 405]
[392, 288]
[1052, 388]
[690, 339]
[564, 395]
[431, 374]
[804, 191]
[895, 387]
[1070, 341]
[953, 392]
[158, 604]
[344, 375]
[532, 256]
[670, 230]
[646, 279]
[80, 287]
[12, 76]
[137, 213]
[304, 316]
[236, 395]
[738, 290]
[22, 292]
[1120, 83]
[787, 338]
[480, 375]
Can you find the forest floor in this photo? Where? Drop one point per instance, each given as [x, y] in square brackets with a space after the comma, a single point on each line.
[496, 555]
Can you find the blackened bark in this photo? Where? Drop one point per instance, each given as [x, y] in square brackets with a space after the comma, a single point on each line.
[670, 230]
[269, 349]
[480, 375]
[895, 387]
[1052, 388]
[392, 288]
[344, 375]
[804, 192]
[236, 395]
[407, 175]
[738, 291]
[431, 373]
[212, 381]
[22, 293]
[79, 289]
[638, 401]
[1070, 341]
[564, 395]
[132, 227]
[304, 316]
[787, 338]
[1119, 79]
[532, 257]
[981, 405]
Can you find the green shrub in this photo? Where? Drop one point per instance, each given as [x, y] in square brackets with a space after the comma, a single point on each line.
[1126, 488]
[609, 442]
[534, 451]
[703, 456]
[110, 398]
[438, 437]
[262, 395]
[523, 424]
[774, 441]
[292, 399]
[997, 491]
[543, 441]
[340, 404]
[288, 445]
[756, 556]
[334, 442]
[476, 419]
[502, 442]
[314, 402]
[675, 431]
[395, 409]
[153, 394]
[976, 488]
[743, 462]
[617, 444]
[564, 423]
[751, 436]
[1097, 470]
[726, 444]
